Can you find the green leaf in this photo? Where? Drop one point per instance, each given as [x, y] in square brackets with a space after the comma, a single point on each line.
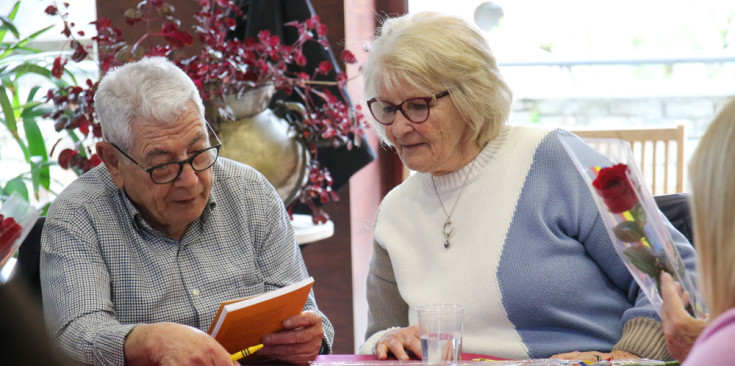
[32, 94]
[44, 209]
[29, 68]
[8, 22]
[7, 25]
[72, 76]
[14, 11]
[629, 231]
[36, 145]
[34, 109]
[10, 121]
[27, 49]
[36, 34]
[642, 258]
[16, 185]
[40, 176]
[73, 136]
[30, 109]
[5, 78]
[8, 111]
[639, 214]
[39, 112]
[21, 44]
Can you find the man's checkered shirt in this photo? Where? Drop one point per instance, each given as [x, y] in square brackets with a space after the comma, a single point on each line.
[104, 269]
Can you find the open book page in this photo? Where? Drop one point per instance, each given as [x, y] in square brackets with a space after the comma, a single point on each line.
[243, 322]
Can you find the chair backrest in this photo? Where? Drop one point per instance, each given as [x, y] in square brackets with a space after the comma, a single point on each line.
[652, 149]
[676, 208]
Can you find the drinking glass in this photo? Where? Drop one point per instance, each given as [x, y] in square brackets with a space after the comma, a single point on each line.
[440, 331]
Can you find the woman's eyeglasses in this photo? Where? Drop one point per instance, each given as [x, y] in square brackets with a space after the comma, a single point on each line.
[415, 110]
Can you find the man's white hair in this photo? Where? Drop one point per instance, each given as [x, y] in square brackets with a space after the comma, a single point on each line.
[153, 89]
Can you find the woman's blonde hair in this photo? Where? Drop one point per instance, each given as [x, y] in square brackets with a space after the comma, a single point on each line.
[434, 52]
[712, 175]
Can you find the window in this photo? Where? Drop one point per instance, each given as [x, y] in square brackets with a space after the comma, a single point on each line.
[612, 48]
[30, 19]
[609, 64]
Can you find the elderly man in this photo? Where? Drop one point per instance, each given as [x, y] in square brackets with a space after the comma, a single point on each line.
[137, 254]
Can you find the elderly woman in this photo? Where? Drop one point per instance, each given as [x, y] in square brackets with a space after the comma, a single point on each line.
[496, 218]
[713, 201]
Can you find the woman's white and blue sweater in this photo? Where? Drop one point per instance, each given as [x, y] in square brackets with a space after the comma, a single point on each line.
[530, 257]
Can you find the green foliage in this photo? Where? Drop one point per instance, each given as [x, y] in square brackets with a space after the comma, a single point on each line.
[23, 112]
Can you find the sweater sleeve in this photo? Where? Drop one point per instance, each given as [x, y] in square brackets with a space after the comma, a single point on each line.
[643, 337]
[386, 308]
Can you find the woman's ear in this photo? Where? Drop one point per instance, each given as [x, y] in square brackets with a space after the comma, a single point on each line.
[112, 161]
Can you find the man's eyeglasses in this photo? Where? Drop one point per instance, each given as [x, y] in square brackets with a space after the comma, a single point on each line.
[415, 110]
[168, 172]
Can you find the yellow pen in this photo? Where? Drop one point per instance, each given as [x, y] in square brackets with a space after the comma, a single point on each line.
[245, 353]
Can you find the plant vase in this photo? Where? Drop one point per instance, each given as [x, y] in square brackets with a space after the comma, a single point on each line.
[266, 139]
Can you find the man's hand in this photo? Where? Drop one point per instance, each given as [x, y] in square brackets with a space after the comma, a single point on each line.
[173, 344]
[595, 356]
[680, 328]
[397, 341]
[299, 343]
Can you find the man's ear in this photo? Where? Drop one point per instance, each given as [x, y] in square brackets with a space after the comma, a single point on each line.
[112, 161]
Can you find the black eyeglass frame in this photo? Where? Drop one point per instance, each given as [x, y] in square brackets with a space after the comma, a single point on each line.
[181, 163]
[399, 107]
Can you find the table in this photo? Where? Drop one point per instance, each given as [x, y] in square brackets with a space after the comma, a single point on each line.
[307, 232]
[368, 360]
[349, 360]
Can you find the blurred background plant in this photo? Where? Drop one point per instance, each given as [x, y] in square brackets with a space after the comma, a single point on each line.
[222, 66]
[51, 117]
[24, 72]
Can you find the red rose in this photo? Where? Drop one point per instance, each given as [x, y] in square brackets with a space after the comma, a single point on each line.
[614, 187]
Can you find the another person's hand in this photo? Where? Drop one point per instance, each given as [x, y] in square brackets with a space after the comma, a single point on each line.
[680, 328]
[173, 344]
[398, 341]
[594, 356]
[299, 343]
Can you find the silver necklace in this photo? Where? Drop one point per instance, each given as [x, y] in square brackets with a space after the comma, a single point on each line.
[448, 226]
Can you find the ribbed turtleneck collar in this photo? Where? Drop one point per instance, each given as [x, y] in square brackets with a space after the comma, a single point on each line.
[455, 180]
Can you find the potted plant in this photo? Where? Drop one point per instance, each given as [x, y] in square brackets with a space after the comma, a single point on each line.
[21, 104]
[224, 68]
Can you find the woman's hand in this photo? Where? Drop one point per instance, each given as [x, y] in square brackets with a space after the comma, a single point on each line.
[680, 329]
[398, 341]
[595, 356]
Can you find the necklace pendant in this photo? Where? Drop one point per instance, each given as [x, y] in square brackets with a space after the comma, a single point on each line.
[448, 227]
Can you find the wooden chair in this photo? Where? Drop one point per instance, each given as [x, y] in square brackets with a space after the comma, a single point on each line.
[654, 144]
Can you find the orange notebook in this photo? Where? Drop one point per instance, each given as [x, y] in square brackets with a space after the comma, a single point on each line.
[242, 323]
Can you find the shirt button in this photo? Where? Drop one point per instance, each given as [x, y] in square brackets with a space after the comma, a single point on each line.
[195, 292]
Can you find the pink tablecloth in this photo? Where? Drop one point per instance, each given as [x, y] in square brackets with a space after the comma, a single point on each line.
[353, 358]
